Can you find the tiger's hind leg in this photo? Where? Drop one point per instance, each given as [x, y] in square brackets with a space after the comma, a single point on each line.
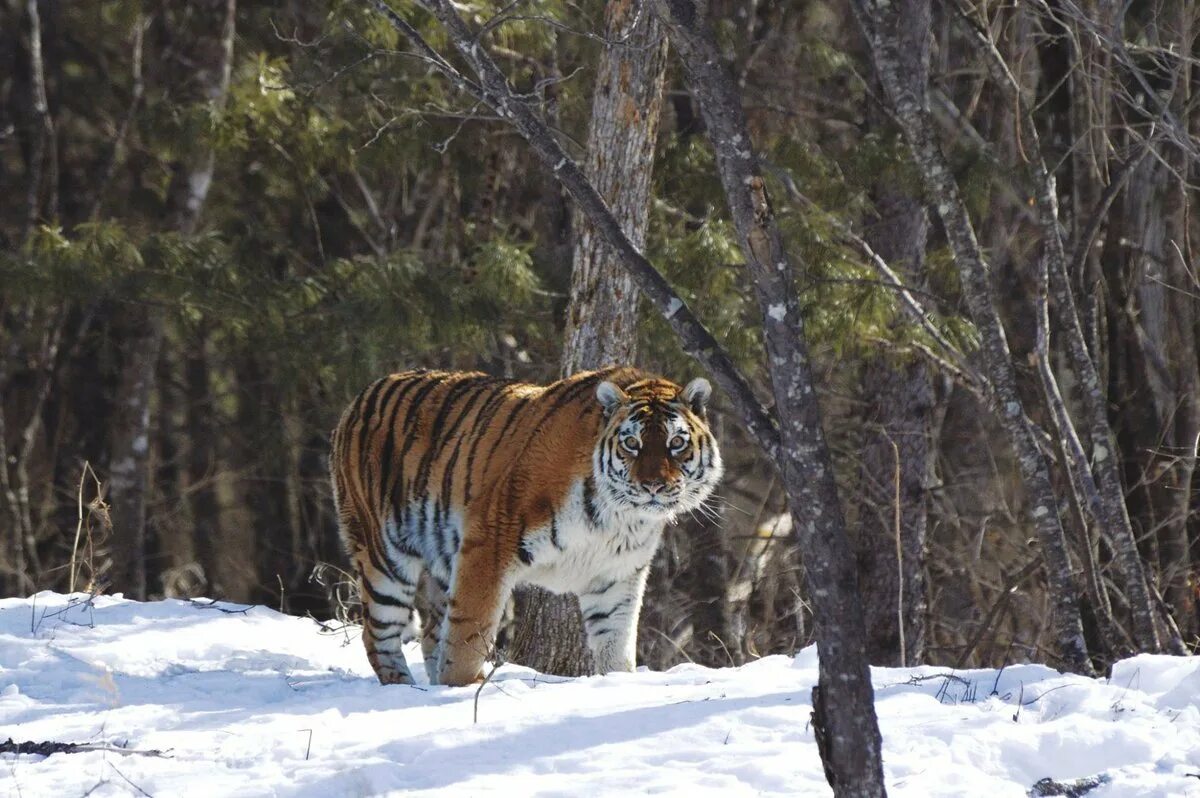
[387, 596]
[433, 614]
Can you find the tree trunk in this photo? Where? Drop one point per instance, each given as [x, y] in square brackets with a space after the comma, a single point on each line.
[317, 534]
[602, 314]
[844, 718]
[129, 459]
[897, 456]
[626, 106]
[881, 22]
[714, 640]
[201, 75]
[265, 472]
[201, 466]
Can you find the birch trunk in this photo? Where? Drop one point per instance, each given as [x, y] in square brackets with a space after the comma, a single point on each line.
[202, 77]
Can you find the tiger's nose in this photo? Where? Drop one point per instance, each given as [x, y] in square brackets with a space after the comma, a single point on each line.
[654, 486]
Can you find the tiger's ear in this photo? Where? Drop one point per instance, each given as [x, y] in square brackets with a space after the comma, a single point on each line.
[610, 396]
[696, 394]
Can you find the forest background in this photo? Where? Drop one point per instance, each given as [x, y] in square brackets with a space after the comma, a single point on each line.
[220, 221]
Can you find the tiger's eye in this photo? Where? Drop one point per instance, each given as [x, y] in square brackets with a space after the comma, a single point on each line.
[678, 442]
[630, 443]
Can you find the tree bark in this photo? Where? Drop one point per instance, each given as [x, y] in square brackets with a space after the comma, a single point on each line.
[201, 466]
[626, 108]
[265, 472]
[129, 457]
[201, 76]
[881, 22]
[601, 324]
[897, 456]
[843, 702]
[715, 642]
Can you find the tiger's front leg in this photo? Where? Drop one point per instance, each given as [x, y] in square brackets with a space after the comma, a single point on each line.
[473, 612]
[610, 617]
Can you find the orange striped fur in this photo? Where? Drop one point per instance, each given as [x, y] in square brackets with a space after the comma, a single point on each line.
[488, 483]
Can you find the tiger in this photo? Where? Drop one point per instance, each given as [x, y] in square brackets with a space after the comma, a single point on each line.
[482, 484]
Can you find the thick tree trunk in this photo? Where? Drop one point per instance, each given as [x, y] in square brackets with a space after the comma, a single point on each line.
[844, 718]
[201, 75]
[201, 466]
[130, 450]
[626, 107]
[881, 22]
[897, 456]
[602, 315]
[166, 546]
[1181, 430]
[265, 472]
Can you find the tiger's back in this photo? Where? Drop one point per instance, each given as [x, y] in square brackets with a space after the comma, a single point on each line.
[483, 483]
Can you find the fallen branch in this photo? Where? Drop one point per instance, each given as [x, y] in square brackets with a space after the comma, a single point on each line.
[47, 747]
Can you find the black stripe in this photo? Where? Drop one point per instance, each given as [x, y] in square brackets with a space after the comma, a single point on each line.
[400, 500]
[448, 470]
[589, 500]
[482, 421]
[389, 444]
[524, 555]
[554, 532]
[383, 598]
[592, 617]
[602, 590]
[356, 404]
[384, 565]
[402, 543]
[518, 404]
[569, 395]
[385, 638]
[435, 445]
[446, 546]
[368, 405]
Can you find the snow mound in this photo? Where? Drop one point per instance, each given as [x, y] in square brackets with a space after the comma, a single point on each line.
[245, 701]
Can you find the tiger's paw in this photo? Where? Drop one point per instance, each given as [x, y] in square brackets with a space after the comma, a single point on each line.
[389, 676]
[389, 673]
[452, 676]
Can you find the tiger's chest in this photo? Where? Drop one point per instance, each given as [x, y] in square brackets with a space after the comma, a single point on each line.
[582, 545]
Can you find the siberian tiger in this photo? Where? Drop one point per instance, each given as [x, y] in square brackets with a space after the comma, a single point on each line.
[488, 483]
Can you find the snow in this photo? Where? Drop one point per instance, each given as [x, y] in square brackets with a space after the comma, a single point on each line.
[245, 701]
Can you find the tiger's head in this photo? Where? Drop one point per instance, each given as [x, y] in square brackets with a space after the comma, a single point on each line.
[656, 455]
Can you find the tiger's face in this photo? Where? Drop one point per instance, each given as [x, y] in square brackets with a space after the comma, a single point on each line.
[656, 455]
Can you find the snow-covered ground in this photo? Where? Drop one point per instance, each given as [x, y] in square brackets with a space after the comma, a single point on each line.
[248, 702]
